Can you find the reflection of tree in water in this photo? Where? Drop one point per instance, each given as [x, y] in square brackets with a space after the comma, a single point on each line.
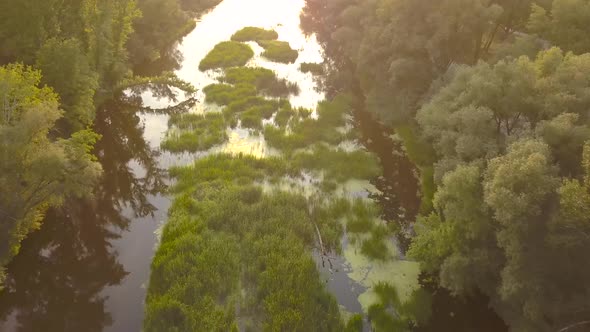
[55, 283]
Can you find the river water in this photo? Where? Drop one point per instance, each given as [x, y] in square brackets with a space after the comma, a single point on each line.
[87, 268]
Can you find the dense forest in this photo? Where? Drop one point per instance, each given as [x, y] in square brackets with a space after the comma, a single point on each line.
[491, 99]
[60, 61]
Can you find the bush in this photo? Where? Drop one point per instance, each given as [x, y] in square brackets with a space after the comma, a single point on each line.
[227, 54]
[254, 34]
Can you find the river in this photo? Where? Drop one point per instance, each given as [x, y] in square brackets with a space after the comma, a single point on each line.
[87, 268]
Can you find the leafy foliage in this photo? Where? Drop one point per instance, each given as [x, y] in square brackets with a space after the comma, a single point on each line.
[564, 24]
[37, 170]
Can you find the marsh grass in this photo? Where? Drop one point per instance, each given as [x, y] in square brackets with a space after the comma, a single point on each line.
[230, 244]
[306, 131]
[227, 54]
[265, 81]
[278, 51]
[195, 132]
[225, 94]
[254, 34]
[339, 165]
[252, 110]
[314, 68]
[264, 266]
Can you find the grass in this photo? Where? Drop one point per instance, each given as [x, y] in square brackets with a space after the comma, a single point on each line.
[194, 132]
[339, 165]
[227, 54]
[225, 94]
[228, 244]
[306, 131]
[278, 51]
[254, 34]
[314, 68]
[265, 81]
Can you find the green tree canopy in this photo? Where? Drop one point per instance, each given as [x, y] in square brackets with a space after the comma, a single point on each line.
[37, 171]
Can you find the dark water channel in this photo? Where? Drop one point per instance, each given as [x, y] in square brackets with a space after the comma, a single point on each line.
[87, 268]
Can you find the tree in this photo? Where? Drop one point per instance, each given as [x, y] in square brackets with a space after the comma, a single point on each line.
[397, 48]
[154, 32]
[483, 108]
[37, 171]
[65, 68]
[565, 24]
[458, 242]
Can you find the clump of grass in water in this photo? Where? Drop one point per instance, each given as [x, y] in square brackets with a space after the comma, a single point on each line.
[227, 54]
[265, 81]
[278, 51]
[195, 132]
[225, 94]
[314, 68]
[254, 34]
[252, 110]
[306, 131]
[270, 236]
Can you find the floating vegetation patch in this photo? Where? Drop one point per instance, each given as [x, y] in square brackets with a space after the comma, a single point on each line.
[227, 54]
[194, 132]
[254, 34]
[278, 51]
[314, 68]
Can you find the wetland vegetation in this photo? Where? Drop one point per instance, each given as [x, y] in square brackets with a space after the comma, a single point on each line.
[227, 54]
[273, 210]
